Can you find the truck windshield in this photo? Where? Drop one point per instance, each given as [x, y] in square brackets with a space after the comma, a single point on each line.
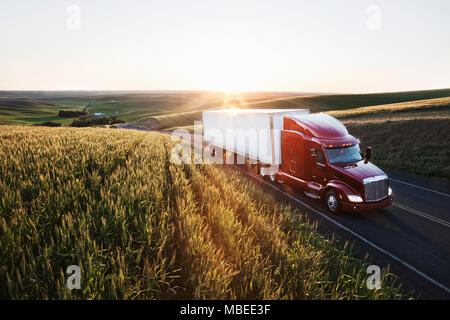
[344, 154]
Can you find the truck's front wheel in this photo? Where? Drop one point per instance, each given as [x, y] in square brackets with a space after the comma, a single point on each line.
[266, 174]
[333, 201]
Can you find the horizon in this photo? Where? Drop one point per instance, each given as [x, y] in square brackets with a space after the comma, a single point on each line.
[218, 91]
[252, 46]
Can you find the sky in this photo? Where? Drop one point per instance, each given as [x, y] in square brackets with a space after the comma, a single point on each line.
[247, 45]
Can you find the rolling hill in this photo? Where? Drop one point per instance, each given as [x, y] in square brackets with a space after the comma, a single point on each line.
[167, 109]
[315, 103]
[129, 105]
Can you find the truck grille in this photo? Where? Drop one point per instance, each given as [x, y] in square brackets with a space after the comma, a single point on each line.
[376, 188]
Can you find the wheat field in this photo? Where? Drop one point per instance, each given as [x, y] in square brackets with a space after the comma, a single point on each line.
[140, 227]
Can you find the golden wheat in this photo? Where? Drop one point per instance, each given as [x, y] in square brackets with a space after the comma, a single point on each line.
[140, 227]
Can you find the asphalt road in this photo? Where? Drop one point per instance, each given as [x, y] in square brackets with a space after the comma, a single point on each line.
[412, 236]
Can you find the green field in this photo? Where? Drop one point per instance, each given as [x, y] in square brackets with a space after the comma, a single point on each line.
[29, 111]
[411, 136]
[29, 107]
[315, 103]
[180, 108]
[141, 227]
[321, 103]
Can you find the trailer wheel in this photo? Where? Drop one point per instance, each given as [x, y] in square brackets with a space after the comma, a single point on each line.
[333, 201]
[272, 178]
[262, 170]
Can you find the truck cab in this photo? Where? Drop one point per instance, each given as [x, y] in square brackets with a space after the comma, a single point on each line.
[321, 158]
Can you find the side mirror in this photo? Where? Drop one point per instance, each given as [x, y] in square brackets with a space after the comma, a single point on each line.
[368, 154]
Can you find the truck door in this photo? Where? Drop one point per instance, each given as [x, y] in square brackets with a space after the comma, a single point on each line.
[293, 154]
[318, 169]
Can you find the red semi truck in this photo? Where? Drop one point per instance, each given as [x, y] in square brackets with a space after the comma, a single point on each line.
[311, 152]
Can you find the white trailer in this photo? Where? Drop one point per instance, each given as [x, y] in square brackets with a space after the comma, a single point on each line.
[252, 133]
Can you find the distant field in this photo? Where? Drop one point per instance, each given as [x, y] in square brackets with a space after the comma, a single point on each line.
[411, 136]
[419, 146]
[170, 121]
[315, 103]
[28, 107]
[321, 103]
[140, 227]
[28, 111]
[419, 108]
[163, 110]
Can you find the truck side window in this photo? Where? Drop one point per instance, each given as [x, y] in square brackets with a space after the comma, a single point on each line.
[320, 157]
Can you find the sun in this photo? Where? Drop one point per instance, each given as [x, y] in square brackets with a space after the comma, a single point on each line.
[233, 99]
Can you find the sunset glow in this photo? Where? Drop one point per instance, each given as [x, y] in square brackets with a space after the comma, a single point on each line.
[227, 46]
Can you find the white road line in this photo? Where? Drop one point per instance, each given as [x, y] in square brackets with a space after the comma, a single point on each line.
[404, 263]
[424, 215]
[413, 185]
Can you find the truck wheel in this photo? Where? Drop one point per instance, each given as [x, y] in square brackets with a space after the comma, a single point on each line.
[333, 201]
[266, 175]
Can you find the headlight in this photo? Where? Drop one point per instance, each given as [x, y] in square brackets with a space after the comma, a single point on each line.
[355, 198]
[390, 191]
